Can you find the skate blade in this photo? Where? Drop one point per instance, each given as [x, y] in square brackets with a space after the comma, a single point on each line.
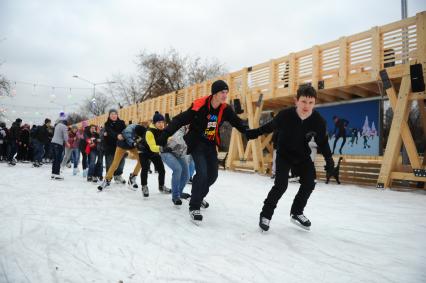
[300, 225]
[196, 222]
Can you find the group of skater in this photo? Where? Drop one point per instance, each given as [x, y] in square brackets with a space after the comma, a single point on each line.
[189, 141]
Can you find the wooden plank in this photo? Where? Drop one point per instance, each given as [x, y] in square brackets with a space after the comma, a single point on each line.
[407, 177]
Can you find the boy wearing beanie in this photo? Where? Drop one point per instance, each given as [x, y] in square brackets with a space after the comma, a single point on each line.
[112, 133]
[149, 150]
[204, 117]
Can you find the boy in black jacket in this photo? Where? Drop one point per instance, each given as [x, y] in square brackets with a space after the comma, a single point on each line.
[113, 128]
[204, 117]
[296, 126]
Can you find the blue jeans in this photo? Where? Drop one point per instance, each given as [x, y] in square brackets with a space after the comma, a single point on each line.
[75, 156]
[58, 153]
[180, 175]
[13, 147]
[206, 167]
[38, 150]
[92, 159]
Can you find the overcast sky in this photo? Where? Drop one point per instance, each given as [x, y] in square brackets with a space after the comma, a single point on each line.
[49, 41]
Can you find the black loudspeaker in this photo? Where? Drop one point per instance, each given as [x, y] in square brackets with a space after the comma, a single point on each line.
[385, 79]
[167, 118]
[259, 101]
[320, 84]
[389, 56]
[237, 106]
[417, 79]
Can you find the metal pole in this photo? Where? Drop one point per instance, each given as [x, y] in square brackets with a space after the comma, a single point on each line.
[403, 9]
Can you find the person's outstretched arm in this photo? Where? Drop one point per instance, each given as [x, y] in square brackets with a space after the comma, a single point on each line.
[265, 129]
[177, 122]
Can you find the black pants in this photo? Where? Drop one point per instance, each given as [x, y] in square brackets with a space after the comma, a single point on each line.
[84, 159]
[343, 136]
[145, 158]
[206, 167]
[306, 171]
[58, 154]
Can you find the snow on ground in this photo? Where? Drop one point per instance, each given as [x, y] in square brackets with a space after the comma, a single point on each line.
[53, 231]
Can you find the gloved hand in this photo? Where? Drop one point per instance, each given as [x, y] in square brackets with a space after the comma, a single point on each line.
[162, 139]
[329, 165]
[252, 134]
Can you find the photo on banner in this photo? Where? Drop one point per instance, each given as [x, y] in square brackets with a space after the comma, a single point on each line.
[353, 128]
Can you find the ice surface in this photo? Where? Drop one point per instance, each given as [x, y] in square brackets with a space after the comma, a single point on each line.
[65, 231]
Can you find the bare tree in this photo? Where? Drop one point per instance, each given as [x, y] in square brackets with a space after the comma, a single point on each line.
[74, 118]
[125, 91]
[161, 73]
[168, 72]
[96, 105]
[199, 71]
[4, 86]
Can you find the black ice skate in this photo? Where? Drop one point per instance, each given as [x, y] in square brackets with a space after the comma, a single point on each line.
[145, 191]
[196, 216]
[301, 221]
[177, 201]
[132, 182]
[119, 179]
[164, 189]
[264, 223]
[104, 185]
[204, 204]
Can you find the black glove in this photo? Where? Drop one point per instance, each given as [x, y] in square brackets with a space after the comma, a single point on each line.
[329, 166]
[252, 134]
[162, 139]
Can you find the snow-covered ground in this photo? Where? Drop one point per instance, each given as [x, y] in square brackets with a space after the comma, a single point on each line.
[53, 231]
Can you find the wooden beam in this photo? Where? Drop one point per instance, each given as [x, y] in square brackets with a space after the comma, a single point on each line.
[394, 141]
[406, 177]
[337, 93]
[365, 91]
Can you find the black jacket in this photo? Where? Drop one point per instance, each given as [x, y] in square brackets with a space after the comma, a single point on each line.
[42, 134]
[295, 133]
[197, 120]
[112, 129]
[142, 144]
[24, 136]
[14, 131]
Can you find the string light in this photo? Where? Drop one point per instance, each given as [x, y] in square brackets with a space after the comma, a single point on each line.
[49, 86]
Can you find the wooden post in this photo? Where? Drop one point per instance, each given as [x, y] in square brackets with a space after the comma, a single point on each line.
[292, 77]
[421, 39]
[375, 53]
[272, 78]
[315, 66]
[343, 61]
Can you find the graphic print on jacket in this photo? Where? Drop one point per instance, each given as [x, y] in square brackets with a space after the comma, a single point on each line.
[210, 131]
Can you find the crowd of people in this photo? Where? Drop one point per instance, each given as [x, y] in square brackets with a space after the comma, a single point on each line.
[187, 142]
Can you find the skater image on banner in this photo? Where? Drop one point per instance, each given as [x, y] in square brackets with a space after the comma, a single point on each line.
[340, 126]
[353, 128]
